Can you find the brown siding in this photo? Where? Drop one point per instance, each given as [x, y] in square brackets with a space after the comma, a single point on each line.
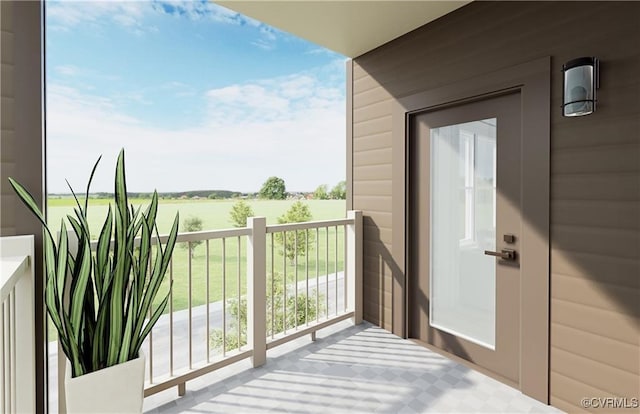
[595, 172]
[21, 140]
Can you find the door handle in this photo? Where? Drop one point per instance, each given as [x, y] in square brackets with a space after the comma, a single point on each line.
[504, 254]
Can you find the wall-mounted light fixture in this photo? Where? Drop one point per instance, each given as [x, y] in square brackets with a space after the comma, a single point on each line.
[580, 81]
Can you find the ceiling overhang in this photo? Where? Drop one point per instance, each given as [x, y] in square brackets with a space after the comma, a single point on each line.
[349, 27]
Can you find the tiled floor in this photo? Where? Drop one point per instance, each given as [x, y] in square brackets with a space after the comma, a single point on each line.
[348, 369]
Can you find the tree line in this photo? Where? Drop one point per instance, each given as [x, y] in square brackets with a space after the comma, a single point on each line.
[274, 188]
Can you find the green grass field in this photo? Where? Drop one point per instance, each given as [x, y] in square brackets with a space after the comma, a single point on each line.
[215, 215]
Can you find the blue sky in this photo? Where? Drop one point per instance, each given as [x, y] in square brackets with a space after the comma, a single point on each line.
[199, 96]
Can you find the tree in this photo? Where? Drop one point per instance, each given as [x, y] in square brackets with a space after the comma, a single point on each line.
[190, 224]
[296, 241]
[239, 213]
[306, 311]
[339, 192]
[321, 193]
[273, 189]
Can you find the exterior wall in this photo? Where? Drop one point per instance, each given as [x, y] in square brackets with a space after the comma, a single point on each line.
[595, 174]
[21, 139]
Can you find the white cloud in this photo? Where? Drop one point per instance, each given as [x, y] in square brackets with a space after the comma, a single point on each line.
[292, 127]
[62, 15]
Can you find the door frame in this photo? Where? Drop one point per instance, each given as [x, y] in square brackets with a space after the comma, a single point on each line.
[533, 81]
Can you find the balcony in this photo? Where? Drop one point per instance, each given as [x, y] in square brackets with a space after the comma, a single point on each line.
[321, 358]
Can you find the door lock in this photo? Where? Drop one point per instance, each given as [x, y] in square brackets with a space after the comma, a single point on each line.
[504, 254]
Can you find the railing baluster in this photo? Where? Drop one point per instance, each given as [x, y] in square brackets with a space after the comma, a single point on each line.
[336, 268]
[14, 347]
[295, 263]
[306, 270]
[224, 297]
[10, 351]
[171, 317]
[190, 305]
[3, 378]
[317, 274]
[273, 277]
[284, 292]
[208, 322]
[344, 267]
[239, 299]
[326, 269]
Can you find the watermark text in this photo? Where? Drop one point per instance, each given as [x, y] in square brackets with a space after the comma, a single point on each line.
[609, 402]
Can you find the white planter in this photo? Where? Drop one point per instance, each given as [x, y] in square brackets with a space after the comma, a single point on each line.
[117, 389]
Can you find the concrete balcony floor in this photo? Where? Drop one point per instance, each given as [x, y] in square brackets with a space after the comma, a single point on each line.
[347, 369]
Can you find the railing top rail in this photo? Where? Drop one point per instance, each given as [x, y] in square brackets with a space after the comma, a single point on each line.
[13, 267]
[308, 225]
[195, 236]
[244, 231]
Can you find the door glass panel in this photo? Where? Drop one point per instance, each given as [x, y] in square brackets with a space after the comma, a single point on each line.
[463, 225]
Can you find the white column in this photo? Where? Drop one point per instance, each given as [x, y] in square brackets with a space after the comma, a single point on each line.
[354, 265]
[257, 289]
[24, 370]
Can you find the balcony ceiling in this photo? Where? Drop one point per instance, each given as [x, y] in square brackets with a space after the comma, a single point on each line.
[352, 27]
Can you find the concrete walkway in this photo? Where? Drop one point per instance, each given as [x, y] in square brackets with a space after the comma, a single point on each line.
[349, 369]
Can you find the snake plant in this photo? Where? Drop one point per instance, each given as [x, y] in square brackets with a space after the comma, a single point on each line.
[102, 321]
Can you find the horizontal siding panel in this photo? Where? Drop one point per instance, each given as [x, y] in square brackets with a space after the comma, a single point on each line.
[610, 187]
[613, 270]
[358, 71]
[372, 142]
[374, 111]
[375, 297]
[7, 114]
[597, 213]
[575, 135]
[7, 80]
[365, 83]
[373, 234]
[605, 323]
[374, 188]
[593, 373]
[376, 284]
[372, 157]
[372, 126]
[607, 351]
[607, 242]
[7, 41]
[378, 203]
[372, 172]
[595, 294]
[376, 233]
[7, 231]
[380, 219]
[373, 247]
[607, 159]
[572, 392]
[8, 146]
[370, 97]
[7, 168]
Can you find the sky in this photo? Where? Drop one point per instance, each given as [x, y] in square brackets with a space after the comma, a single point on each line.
[199, 97]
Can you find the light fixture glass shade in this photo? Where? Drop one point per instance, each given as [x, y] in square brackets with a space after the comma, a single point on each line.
[580, 83]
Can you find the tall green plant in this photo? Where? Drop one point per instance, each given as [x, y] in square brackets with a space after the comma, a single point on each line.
[110, 293]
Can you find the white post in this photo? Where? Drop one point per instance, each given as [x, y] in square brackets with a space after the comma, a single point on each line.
[354, 265]
[24, 372]
[257, 289]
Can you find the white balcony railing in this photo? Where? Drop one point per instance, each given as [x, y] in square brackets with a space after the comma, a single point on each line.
[17, 325]
[243, 290]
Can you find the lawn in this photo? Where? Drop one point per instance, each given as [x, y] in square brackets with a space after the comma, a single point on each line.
[215, 215]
